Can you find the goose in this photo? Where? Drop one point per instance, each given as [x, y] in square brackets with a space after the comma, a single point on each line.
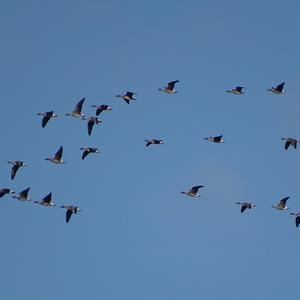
[87, 151]
[77, 111]
[57, 158]
[170, 88]
[237, 91]
[297, 219]
[153, 142]
[23, 196]
[193, 192]
[128, 97]
[282, 204]
[70, 210]
[47, 116]
[101, 108]
[290, 142]
[245, 205]
[216, 139]
[46, 201]
[6, 191]
[278, 89]
[16, 165]
[91, 122]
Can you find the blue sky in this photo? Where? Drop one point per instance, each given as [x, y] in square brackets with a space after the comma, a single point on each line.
[137, 236]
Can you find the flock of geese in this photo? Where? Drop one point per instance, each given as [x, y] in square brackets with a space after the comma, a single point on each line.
[94, 120]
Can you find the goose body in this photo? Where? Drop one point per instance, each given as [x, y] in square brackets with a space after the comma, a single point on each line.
[46, 201]
[281, 204]
[297, 218]
[57, 159]
[278, 89]
[70, 211]
[6, 191]
[193, 192]
[237, 91]
[87, 151]
[23, 196]
[245, 205]
[16, 165]
[153, 142]
[101, 108]
[170, 88]
[216, 139]
[47, 116]
[77, 112]
[129, 96]
[290, 142]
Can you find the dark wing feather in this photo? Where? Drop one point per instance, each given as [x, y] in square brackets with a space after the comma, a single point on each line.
[90, 126]
[243, 208]
[25, 193]
[171, 84]
[78, 106]
[2, 193]
[45, 121]
[297, 220]
[218, 138]
[283, 201]
[84, 154]
[14, 170]
[98, 111]
[196, 188]
[126, 100]
[69, 213]
[130, 95]
[239, 89]
[280, 86]
[287, 144]
[47, 199]
[59, 153]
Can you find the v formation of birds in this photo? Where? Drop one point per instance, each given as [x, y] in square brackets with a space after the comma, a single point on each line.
[128, 97]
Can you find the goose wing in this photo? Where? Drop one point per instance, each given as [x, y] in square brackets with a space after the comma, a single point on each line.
[47, 199]
[85, 154]
[280, 86]
[78, 106]
[195, 189]
[243, 207]
[14, 170]
[287, 144]
[25, 193]
[282, 202]
[171, 84]
[69, 213]
[59, 153]
[297, 221]
[90, 126]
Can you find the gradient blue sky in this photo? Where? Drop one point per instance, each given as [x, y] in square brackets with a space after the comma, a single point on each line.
[137, 236]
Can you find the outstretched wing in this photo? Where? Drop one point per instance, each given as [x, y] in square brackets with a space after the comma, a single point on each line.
[59, 153]
[280, 86]
[239, 89]
[99, 110]
[45, 121]
[47, 199]
[84, 154]
[287, 144]
[69, 213]
[78, 106]
[243, 207]
[171, 84]
[90, 126]
[297, 220]
[195, 189]
[14, 170]
[283, 201]
[25, 193]
[218, 138]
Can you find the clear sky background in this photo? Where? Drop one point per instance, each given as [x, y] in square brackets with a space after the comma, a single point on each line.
[137, 236]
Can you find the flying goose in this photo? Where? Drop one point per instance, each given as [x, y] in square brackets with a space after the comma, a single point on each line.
[245, 205]
[193, 192]
[23, 196]
[87, 151]
[47, 116]
[57, 159]
[282, 204]
[91, 122]
[170, 88]
[46, 201]
[101, 108]
[128, 97]
[6, 191]
[16, 165]
[216, 139]
[77, 111]
[70, 210]
[278, 89]
[290, 142]
[153, 142]
[297, 219]
[237, 91]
